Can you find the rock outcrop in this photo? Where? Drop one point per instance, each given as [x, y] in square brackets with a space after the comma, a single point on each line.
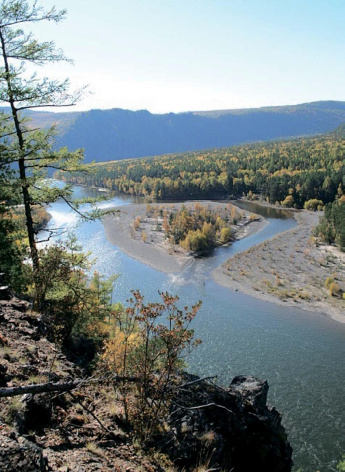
[228, 429]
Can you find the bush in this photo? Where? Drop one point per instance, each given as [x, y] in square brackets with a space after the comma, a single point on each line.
[148, 344]
[333, 289]
[225, 235]
[74, 306]
[313, 204]
[328, 282]
[195, 241]
[288, 202]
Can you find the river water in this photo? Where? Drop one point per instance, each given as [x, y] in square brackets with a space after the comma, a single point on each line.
[301, 354]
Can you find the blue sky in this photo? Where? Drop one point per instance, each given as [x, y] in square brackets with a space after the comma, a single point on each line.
[181, 55]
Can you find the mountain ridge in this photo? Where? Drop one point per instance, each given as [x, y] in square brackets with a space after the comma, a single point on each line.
[117, 133]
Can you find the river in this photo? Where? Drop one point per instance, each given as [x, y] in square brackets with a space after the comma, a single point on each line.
[301, 354]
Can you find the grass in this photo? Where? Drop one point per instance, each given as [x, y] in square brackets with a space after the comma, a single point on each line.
[37, 379]
[94, 449]
[13, 409]
[207, 438]
[7, 354]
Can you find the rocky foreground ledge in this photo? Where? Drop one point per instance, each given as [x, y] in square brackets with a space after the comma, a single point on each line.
[222, 429]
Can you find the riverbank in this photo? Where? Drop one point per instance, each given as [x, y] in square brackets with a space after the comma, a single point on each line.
[290, 269]
[147, 243]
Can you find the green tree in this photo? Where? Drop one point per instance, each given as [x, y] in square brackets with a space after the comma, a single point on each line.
[31, 151]
[11, 253]
[77, 307]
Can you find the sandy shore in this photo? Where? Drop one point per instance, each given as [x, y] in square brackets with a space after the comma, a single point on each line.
[156, 251]
[289, 269]
[118, 228]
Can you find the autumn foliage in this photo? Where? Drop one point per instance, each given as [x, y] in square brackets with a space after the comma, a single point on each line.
[200, 228]
[148, 343]
[300, 169]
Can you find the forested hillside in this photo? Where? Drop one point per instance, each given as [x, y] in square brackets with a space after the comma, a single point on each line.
[120, 134]
[291, 172]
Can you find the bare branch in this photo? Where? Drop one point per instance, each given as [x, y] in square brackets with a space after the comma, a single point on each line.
[200, 407]
[187, 384]
[46, 105]
[58, 387]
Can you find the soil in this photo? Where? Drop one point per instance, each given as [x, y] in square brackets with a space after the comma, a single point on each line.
[53, 431]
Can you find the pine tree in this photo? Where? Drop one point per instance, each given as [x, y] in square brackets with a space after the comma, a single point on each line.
[27, 150]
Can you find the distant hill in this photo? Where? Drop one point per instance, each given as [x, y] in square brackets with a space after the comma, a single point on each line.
[118, 134]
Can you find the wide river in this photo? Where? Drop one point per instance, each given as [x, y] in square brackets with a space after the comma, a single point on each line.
[301, 354]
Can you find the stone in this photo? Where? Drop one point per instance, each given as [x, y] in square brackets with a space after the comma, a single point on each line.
[20, 456]
[251, 389]
[6, 292]
[3, 376]
[229, 428]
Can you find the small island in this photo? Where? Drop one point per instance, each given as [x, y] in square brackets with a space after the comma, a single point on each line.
[169, 236]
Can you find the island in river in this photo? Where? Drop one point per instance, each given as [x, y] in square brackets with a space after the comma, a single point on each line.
[289, 269]
[138, 230]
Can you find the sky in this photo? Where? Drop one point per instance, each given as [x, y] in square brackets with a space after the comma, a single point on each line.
[187, 55]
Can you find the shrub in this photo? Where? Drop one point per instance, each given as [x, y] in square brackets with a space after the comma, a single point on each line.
[225, 235]
[288, 202]
[334, 289]
[313, 204]
[148, 344]
[74, 305]
[328, 282]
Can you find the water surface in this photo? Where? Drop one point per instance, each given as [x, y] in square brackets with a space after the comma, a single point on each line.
[301, 354]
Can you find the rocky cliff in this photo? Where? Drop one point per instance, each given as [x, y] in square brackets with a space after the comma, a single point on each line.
[228, 429]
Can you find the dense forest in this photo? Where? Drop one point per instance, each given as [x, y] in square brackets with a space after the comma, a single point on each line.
[289, 172]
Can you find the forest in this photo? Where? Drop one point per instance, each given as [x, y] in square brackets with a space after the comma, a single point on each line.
[289, 172]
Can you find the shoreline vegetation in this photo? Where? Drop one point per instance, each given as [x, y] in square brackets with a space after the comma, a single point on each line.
[291, 268]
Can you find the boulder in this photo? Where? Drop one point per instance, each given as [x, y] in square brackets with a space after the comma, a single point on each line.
[227, 428]
[17, 454]
[6, 292]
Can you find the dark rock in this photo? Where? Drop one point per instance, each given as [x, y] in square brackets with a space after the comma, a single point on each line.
[251, 389]
[9, 305]
[20, 455]
[34, 414]
[29, 369]
[229, 428]
[6, 292]
[20, 305]
[3, 376]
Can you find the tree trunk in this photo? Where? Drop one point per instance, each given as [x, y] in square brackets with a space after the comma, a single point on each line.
[59, 387]
[22, 175]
